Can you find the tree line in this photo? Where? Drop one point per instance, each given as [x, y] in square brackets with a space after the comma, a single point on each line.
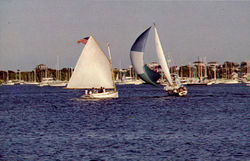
[222, 71]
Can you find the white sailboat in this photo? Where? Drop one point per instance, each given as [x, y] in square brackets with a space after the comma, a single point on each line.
[58, 82]
[125, 80]
[173, 87]
[32, 81]
[46, 80]
[93, 72]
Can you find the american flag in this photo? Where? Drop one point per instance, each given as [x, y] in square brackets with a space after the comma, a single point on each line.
[83, 40]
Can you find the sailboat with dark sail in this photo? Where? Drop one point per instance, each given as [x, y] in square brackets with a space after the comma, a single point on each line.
[174, 86]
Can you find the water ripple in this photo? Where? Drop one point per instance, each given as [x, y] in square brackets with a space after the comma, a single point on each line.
[144, 123]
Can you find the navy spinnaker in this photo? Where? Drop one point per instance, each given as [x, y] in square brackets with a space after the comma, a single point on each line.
[136, 56]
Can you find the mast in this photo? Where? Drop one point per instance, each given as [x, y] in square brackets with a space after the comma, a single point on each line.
[247, 67]
[189, 70]
[111, 66]
[201, 69]
[46, 72]
[215, 73]
[34, 76]
[205, 64]
[7, 77]
[19, 73]
[226, 69]
[57, 67]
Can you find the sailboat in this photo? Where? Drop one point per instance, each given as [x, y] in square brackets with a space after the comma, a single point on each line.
[46, 80]
[32, 80]
[173, 87]
[58, 82]
[93, 72]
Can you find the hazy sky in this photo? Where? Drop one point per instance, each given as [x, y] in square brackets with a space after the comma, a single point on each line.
[35, 32]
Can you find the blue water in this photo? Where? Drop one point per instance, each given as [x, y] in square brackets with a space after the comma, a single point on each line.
[52, 123]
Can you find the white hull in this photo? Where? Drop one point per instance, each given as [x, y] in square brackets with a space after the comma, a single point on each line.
[209, 83]
[231, 82]
[31, 83]
[103, 95]
[135, 82]
[42, 84]
[181, 91]
[58, 84]
[9, 83]
[45, 82]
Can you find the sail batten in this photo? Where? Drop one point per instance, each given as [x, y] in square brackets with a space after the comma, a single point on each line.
[93, 68]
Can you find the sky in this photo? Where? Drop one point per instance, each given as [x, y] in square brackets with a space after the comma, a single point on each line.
[36, 32]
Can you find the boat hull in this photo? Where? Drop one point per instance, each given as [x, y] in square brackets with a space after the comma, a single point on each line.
[31, 83]
[198, 84]
[103, 95]
[42, 84]
[57, 84]
[9, 84]
[231, 82]
[182, 91]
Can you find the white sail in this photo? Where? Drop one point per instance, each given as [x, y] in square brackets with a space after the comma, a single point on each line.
[93, 68]
[161, 57]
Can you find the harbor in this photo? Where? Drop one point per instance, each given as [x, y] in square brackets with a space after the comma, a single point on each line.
[124, 80]
[197, 73]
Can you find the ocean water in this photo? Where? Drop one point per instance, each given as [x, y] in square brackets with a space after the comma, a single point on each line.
[52, 123]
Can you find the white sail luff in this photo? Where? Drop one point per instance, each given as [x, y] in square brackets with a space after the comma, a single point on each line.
[92, 69]
[161, 57]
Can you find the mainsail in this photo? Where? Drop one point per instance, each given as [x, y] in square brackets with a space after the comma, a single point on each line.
[136, 56]
[93, 69]
[161, 57]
